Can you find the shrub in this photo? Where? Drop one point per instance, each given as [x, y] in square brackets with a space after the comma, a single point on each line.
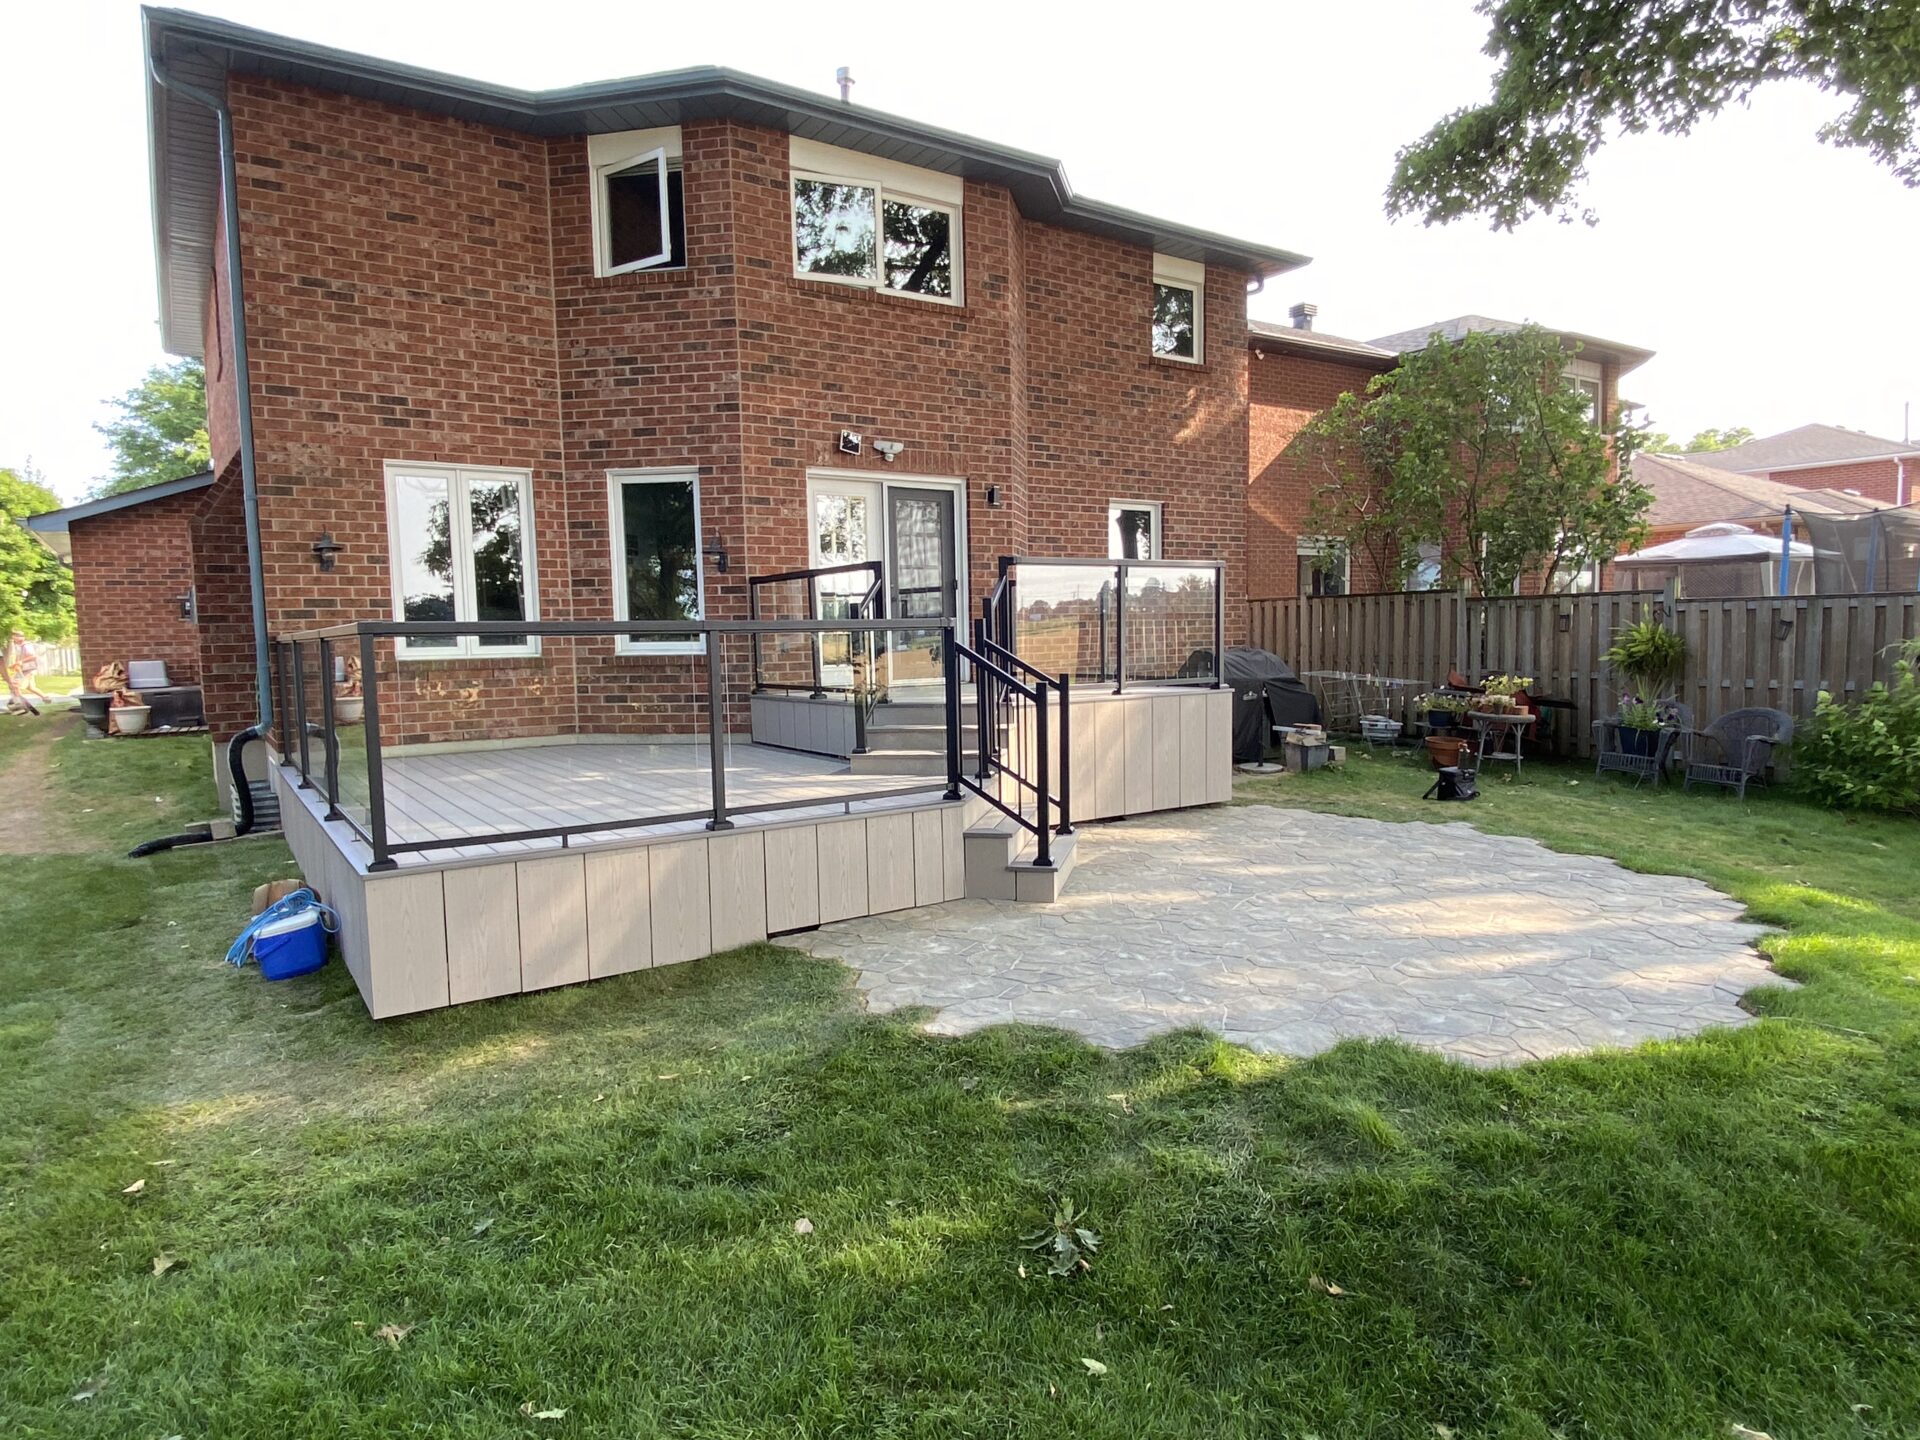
[1866, 756]
[1648, 656]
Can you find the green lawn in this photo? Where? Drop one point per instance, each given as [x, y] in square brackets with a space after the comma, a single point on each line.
[586, 1200]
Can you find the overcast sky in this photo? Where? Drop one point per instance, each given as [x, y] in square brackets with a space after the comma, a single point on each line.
[1774, 275]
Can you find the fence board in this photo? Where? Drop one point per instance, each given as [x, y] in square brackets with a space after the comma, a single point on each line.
[1737, 654]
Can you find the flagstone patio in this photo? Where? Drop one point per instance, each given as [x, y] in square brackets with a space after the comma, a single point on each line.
[1288, 931]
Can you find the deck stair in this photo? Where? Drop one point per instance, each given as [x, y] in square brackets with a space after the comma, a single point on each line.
[909, 737]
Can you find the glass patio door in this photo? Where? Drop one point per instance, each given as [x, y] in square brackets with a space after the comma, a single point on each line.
[922, 578]
[846, 529]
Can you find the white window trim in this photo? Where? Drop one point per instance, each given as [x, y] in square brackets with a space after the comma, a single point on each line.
[1178, 274]
[617, 535]
[608, 153]
[460, 536]
[1153, 537]
[882, 193]
[1316, 547]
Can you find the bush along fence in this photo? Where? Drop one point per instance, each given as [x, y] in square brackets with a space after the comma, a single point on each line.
[1777, 651]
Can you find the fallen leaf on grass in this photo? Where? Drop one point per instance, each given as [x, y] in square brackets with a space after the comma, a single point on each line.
[1741, 1432]
[1094, 1367]
[1022, 1271]
[163, 1262]
[803, 1226]
[1445, 1432]
[527, 1410]
[482, 1228]
[393, 1334]
[136, 1187]
[92, 1388]
[967, 1082]
[1326, 1287]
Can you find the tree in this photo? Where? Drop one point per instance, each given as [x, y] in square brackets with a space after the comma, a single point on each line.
[1481, 450]
[1571, 74]
[161, 431]
[1658, 442]
[36, 590]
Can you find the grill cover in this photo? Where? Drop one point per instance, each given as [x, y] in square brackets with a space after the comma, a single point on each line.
[1266, 693]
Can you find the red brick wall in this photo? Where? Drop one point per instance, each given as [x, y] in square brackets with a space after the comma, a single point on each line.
[224, 605]
[1874, 479]
[130, 568]
[423, 289]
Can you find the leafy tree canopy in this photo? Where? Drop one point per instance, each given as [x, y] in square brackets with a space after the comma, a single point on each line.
[161, 430]
[1660, 443]
[1571, 74]
[1480, 450]
[36, 590]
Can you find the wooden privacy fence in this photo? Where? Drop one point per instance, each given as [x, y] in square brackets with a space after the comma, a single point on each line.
[1778, 651]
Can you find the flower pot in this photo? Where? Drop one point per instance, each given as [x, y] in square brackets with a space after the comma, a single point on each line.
[1635, 741]
[349, 709]
[93, 710]
[131, 719]
[1445, 750]
[1442, 719]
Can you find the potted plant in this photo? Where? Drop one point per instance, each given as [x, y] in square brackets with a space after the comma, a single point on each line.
[1445, 750]
[1647, 656]
[349, 700]
[1506, 694]
[1444, 710]
[1640, 724]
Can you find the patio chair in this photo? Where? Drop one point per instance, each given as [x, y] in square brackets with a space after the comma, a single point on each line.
[1737, 748]
[1610, 752]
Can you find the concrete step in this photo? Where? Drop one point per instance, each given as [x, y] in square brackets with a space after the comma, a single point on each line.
[1001, 865]
[895, 736]
[905, 761]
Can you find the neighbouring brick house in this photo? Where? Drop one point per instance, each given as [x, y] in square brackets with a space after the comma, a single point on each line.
[555, 327]
[1296, 372]
[133, 575]
[1825, 457]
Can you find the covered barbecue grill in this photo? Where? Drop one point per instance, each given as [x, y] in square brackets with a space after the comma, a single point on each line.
[1266, 693]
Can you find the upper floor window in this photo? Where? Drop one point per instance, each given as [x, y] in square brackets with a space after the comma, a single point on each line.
[638, 202]
[1179, 308]
[1590, 391]
[864, 221]
[460, 549]
[1133, 530]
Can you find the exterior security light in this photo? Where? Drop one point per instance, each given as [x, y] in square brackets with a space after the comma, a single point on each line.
[849, 442]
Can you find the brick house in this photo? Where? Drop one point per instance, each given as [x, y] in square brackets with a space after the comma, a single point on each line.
[664, 301]
[1295, 373]
[1825, 457]
[133, 577]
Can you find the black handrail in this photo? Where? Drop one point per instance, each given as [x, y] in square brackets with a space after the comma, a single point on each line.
[997, 687]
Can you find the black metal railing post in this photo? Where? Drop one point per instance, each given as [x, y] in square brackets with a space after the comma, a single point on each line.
[753, 613]
[300, 720]
[717, 733]
[1100, 610]
[1219, 627]
[860, 656]
[1066, 756]
[1120, 629]
[950, 663]
[376, 775]
[329, 736]
[813, 613]
[1042, 769]
[982, 703]
[280, 701]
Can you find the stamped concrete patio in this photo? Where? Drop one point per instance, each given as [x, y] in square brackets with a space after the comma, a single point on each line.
[1288, 931]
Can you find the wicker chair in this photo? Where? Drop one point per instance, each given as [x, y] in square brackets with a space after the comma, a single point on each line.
[1610, 752]
[1737, 748]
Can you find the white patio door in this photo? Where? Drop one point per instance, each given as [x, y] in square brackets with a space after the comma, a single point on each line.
[846, 528]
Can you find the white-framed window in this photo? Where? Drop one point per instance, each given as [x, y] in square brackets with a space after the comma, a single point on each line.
[657, 572]
[1133, 530]
[1426, 568]
[460, 538]
[1179, 309]
[1590, 391]
[639, 212]
[1324, 567]
[859, 220]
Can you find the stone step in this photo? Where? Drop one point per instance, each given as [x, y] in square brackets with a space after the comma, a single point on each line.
[1000, 863]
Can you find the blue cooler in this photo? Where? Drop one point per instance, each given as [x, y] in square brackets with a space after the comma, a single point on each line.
[295, 944]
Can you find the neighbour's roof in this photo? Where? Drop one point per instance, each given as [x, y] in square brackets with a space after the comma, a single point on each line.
[203, 51]
[1809, 445]
[1688, 494]
[50, 526]
[1266, 335]
[1592, 347]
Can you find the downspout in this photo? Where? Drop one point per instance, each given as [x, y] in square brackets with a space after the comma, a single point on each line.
[236, 314]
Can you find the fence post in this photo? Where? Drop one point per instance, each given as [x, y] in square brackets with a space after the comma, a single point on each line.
[376, 775]
[716, 729]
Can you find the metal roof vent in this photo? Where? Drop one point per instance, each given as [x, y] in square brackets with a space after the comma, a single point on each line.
[843, 77]
[1302, 315]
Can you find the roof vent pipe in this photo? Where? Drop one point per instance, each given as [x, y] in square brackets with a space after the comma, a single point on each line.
[843, 77]
[1302, 315]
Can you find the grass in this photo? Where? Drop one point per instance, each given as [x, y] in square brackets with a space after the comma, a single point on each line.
[586, 1200]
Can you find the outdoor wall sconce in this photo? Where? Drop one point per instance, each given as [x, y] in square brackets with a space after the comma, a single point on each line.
[326, 549]
[1782, 626]
[1565, 621]
[717, 553]
[849, 442]
[993, 497]
[185, 602]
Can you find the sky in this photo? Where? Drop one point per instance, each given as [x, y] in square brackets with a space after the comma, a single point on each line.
[1773, 275]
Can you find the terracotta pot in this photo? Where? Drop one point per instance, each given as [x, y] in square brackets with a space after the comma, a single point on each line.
[1445, 750]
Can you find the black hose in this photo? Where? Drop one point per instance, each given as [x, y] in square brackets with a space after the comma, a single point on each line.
[198, 836]
[237, 773]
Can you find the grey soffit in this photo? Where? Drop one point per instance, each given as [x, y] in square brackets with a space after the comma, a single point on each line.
[203, 51]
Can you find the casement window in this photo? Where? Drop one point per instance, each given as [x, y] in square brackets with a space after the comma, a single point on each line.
[657, 575]
[858, 220]
[1179, 309]
[461, 542]
[1323, 567]
[638, 204]
[1133, 530]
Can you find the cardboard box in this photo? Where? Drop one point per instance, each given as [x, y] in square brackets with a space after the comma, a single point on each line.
[273, 890]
